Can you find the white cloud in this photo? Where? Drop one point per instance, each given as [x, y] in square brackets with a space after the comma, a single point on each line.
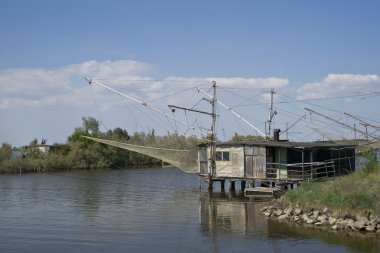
[36, 87]
[236, 82]
[335, 84]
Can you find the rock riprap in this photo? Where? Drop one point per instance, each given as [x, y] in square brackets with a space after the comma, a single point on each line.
[324, 218]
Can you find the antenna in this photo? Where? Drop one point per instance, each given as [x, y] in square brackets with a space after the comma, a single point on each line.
[213, 136]
[271, 112]
[212, 165]
[233, 112]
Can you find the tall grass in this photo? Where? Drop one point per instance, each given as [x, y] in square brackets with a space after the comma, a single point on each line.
[355, 193]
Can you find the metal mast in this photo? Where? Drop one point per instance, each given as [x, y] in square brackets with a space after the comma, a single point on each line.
[212, 137]
[233, 112]
[271, 113]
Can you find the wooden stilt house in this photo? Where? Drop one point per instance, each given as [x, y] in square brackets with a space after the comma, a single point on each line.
[278, 160]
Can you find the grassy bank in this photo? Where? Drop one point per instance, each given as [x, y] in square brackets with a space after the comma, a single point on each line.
[357, 193]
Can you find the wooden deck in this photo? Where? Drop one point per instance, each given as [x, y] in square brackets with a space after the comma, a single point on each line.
[263, 192]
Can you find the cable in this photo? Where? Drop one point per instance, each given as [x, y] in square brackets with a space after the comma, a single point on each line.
[175, 93]
[97, 109]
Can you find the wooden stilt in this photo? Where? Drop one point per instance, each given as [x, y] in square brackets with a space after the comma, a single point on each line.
[210, 183]
[242, 184]
[232, 185]
[222, 184]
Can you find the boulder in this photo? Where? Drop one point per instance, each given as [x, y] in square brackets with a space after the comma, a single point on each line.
[350, 223]
[322, 218]
[297, 211]
[288, 211]
[360, 224]
[341, 222]
[363, 220]
[315, 214]
[264, 208]
[332, 220]
[278, 212]
[305, 217]
[370, 228]
[267, 214]
[335, 227]
[374, 221]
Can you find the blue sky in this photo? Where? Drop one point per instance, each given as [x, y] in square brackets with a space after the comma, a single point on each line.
[306, 50]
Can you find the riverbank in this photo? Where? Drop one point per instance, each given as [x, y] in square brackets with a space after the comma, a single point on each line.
[350, 202]
[324, 219]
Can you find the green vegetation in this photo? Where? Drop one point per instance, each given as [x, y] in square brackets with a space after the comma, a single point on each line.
[243, 138]
[351, 194]
[81, 153]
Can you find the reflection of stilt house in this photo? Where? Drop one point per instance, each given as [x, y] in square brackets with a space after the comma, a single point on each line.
[278, 160]
[222, 213]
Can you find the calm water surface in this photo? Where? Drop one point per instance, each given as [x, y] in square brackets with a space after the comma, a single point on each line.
[146, 210]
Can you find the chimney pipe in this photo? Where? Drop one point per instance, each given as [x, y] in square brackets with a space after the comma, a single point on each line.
[276, 135]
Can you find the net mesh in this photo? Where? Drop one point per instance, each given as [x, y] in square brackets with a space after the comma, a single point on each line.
[185, 160]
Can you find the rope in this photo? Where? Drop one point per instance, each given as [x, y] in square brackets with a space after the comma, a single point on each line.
[97, 109]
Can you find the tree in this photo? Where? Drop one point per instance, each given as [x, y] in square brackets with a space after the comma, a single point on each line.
[5, 152]
[90, 127]
[117, 134]
[32, 150]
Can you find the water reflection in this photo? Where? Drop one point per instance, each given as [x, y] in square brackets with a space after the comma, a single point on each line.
[233, 214]
[150, 210]
[230, 214]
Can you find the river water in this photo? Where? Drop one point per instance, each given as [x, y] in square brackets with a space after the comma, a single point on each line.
[146, 210]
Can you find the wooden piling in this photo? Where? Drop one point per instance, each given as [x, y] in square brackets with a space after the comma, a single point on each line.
[222, 184]
[242, 184]
[232, 185]
[210, 183]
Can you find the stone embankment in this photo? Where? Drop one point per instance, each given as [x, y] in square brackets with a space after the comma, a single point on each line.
[324, 219]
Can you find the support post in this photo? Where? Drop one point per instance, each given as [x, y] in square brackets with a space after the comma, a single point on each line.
[222, 184]
[311, 164]
[210, 183]
[303, 164]
[242, 185]
[232, 185]
[212, 139]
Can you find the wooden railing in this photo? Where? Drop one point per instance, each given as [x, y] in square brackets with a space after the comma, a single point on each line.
[301, 171]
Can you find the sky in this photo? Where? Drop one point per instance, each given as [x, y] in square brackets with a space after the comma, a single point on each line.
[322, 55]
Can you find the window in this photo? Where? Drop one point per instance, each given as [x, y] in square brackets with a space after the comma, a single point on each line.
[255, 150]
[252, 150]
[202, 154]
[222, 156]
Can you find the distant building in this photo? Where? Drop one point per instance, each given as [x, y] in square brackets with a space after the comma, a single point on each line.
[16, 153]
[43, 148]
